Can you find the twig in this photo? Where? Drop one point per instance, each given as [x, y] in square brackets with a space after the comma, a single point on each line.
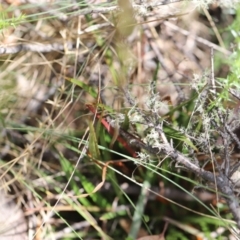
[222, 181]
[213, 84]
[36, 47]
[233, 135]
[140, 9]
[213, 25]
[198, 39]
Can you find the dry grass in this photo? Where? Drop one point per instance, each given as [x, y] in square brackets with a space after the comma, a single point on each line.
[44, 116]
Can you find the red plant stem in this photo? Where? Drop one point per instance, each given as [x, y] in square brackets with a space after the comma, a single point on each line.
[111, 130]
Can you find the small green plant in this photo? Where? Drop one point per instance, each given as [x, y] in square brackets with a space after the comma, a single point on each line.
[6, 22]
